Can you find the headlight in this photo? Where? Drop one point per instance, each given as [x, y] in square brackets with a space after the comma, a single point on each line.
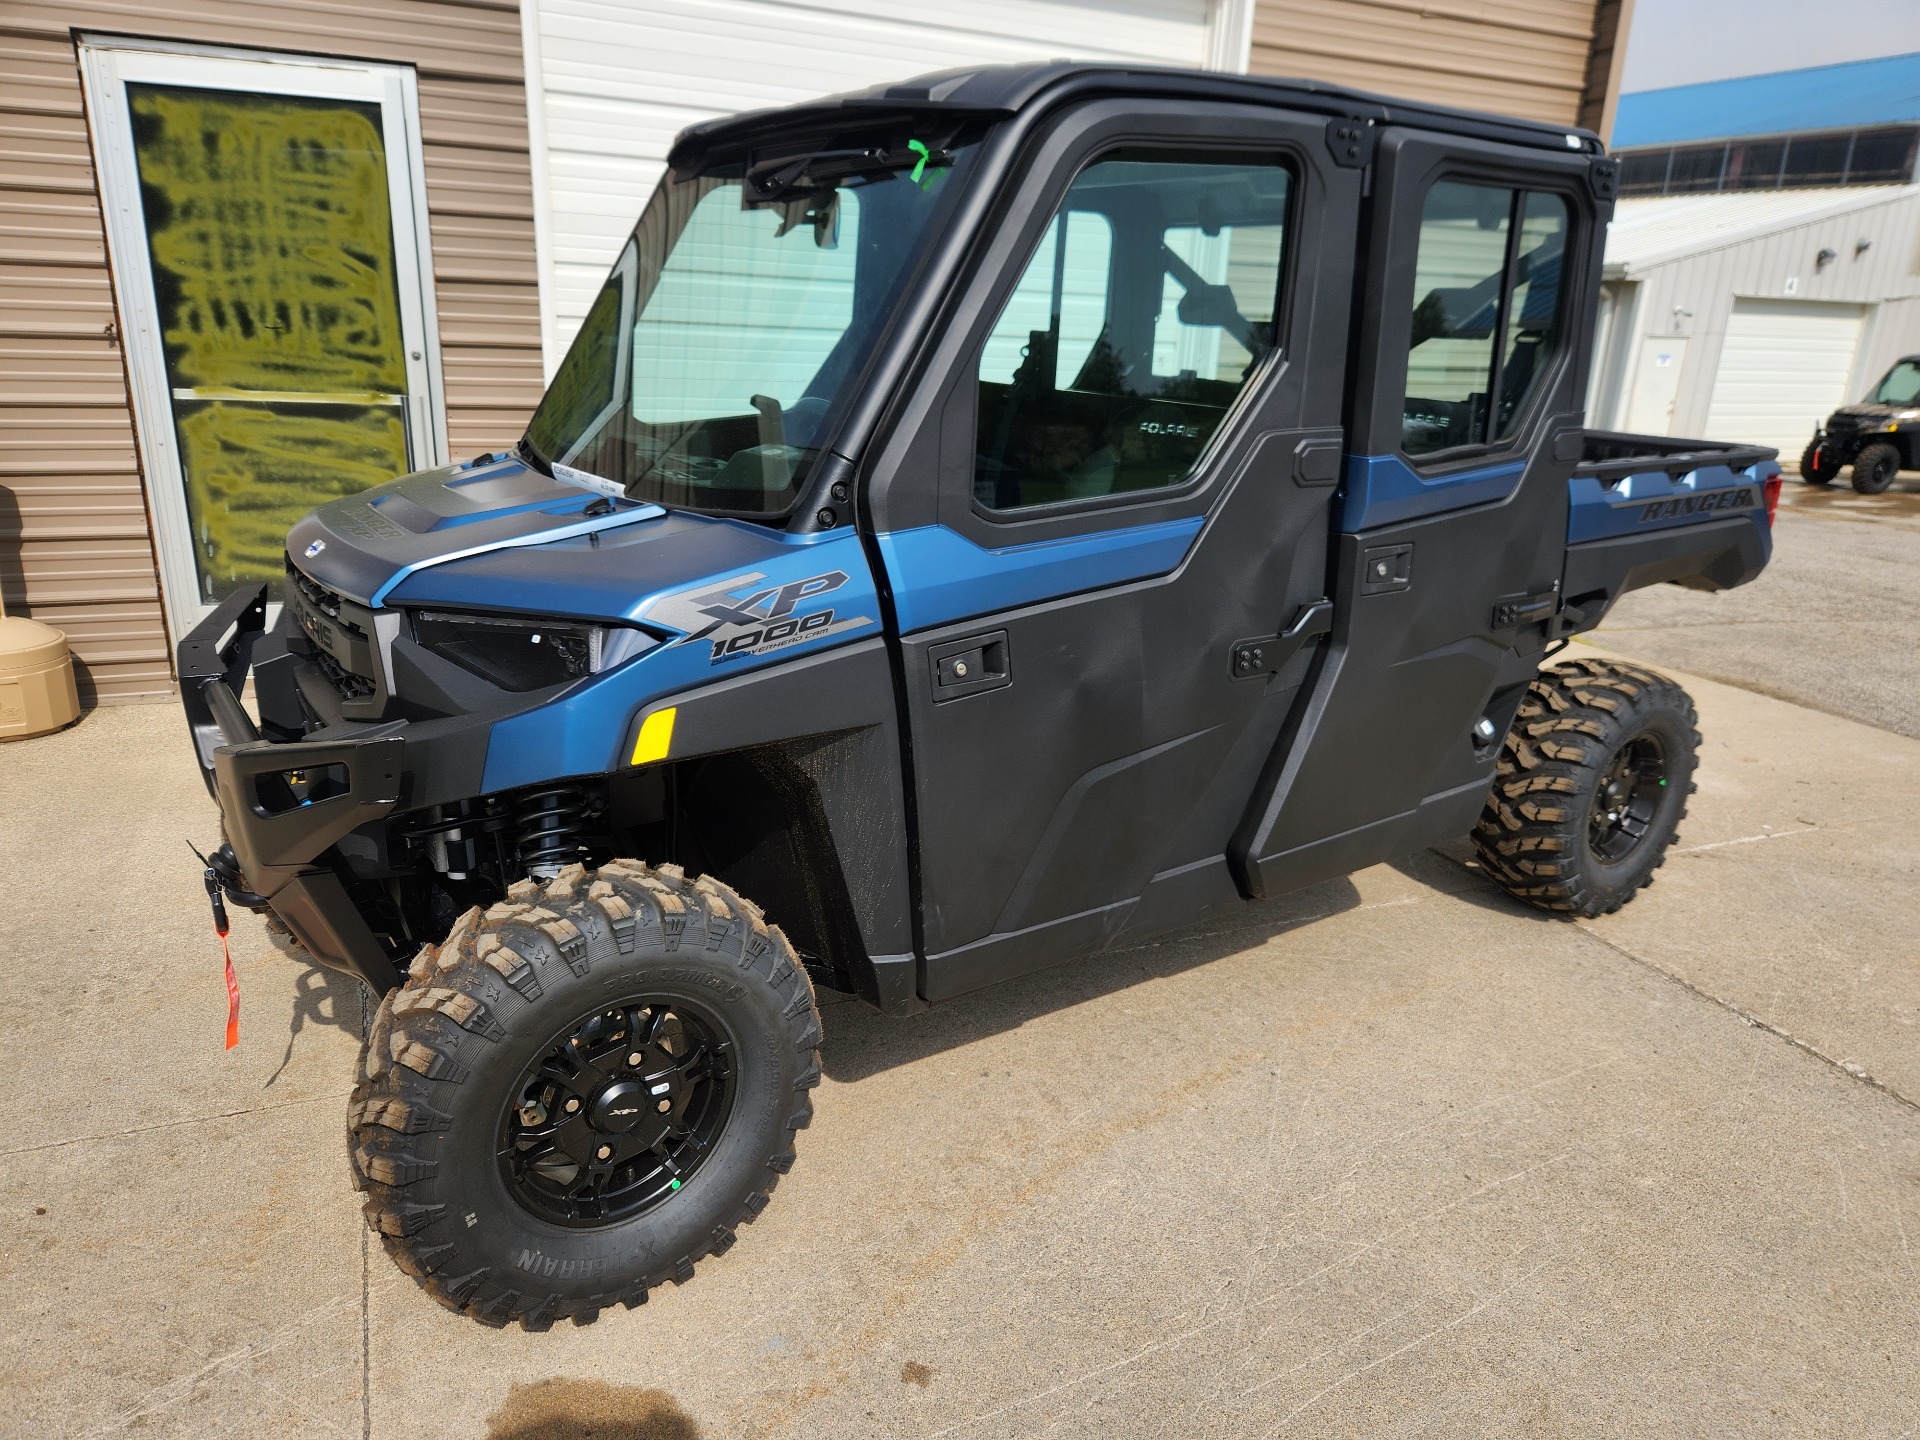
[514, 654]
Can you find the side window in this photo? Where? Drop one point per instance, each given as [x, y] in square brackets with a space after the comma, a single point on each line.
[1486, 318]
[1146, 307]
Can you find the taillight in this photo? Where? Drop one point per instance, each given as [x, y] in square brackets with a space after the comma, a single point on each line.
[1770, 488]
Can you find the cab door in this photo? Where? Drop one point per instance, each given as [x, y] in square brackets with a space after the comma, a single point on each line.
[1482, 265]
[1105, 527]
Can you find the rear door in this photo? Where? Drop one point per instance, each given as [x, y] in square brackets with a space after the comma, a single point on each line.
[1111, 502]
[1482, 264]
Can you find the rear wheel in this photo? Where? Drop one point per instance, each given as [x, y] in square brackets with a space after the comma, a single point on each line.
[1874, 469]
[583, 1091]
[1814, 466]
[1592, 783]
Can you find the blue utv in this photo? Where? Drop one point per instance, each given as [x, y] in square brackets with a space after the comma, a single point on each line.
[982, 521]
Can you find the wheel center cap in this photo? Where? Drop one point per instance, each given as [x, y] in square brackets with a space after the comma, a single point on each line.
[620, 1107]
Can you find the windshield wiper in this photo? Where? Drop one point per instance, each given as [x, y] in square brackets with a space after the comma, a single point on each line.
[781, 174]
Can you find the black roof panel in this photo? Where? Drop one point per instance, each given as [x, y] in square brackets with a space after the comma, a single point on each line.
[1007, 89]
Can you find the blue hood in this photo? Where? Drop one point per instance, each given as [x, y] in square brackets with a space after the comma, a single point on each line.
[366, 545]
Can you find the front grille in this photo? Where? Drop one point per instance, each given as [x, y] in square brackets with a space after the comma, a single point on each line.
[350, 685]
[340, 635]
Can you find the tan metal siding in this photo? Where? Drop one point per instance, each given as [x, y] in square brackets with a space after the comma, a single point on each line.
[1521, 57]
[74, 541]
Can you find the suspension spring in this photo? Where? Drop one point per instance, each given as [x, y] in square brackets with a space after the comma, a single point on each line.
[551, 826]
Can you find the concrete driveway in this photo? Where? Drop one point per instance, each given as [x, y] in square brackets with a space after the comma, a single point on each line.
[1392, 1156]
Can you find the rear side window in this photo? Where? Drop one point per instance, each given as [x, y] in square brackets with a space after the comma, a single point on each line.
[1486, 315]
[1147, 306]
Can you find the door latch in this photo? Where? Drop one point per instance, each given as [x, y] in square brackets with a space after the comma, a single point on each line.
[1512, 611]
[1266, 654]
[966, 667]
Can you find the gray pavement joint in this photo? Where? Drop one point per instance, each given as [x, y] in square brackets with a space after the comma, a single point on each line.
[1844, 1067]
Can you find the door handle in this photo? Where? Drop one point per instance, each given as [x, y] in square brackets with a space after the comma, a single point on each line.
[966, 667]
[1266, 654]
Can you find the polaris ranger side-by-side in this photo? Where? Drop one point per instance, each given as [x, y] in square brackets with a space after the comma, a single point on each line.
[1879, 437]
[981, 522]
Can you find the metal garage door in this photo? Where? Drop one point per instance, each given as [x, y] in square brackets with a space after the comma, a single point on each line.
[1783, 366]
[617, 79]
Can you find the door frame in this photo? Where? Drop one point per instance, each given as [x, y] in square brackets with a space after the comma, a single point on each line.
[106, 63]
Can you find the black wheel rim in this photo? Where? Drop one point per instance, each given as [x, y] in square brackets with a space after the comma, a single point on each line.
[1628, 799]
[617, 1112]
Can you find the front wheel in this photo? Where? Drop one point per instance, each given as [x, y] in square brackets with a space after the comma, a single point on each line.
[1592, 783]
[1874, 469]
[1815, 469]
[582, 1091]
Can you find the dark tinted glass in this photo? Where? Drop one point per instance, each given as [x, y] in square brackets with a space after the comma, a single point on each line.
[1486, 317]
[1644, 173]
[1696, 168]
[1533, 314]
[1140, 317]
[1882, 156]
[1754, 164]
[1820, 160]
[1457, 278]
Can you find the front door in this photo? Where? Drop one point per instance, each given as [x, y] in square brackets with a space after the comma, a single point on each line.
[1138, 442]
[267, 230]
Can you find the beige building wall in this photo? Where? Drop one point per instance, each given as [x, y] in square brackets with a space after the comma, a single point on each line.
[1552, 60]
[76, 549]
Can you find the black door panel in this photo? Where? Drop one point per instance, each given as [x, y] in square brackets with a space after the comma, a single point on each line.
[1386, 758]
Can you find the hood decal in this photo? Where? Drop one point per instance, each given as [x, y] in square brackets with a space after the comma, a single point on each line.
[364, 545]
[511, 542]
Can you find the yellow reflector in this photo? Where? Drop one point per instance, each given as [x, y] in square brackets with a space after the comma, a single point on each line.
[656, 737]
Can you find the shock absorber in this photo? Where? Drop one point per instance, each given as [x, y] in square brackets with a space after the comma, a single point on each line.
[551, 825]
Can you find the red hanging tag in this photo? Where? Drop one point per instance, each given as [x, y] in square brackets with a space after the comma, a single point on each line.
[233, 998]
[220, 928]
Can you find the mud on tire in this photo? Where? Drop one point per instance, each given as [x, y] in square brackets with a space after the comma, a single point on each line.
[1589, 733]
[434, 1120]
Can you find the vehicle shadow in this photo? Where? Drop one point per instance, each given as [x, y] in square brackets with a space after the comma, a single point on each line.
[860, 1042]
[325, 997]
[1454, 869]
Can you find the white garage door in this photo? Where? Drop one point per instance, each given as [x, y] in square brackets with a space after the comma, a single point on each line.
[620, 78]
[1783, 367]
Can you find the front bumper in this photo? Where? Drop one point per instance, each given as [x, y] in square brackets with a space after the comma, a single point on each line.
[276, 838]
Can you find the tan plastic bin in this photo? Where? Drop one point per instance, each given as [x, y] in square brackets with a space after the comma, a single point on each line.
[36, 679]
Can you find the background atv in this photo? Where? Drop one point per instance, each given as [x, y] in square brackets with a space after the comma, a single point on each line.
[1879, 437]
[981, 522]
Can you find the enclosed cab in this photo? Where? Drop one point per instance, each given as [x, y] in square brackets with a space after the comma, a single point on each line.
[981, 522]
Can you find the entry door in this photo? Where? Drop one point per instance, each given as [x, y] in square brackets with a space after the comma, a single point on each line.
[1656, 384]
[267, 223]
[1139, 442]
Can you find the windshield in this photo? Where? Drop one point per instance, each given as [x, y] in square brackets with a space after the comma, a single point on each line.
[712, 364]
[1901, 387]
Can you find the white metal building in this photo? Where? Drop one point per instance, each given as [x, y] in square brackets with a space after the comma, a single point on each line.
[1750, 315]
[611, 82]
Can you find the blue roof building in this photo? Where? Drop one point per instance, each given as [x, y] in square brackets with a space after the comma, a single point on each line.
[1861, 93]
[1851, 124]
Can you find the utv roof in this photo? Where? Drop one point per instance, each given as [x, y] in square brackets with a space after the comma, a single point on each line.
[998, 91]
